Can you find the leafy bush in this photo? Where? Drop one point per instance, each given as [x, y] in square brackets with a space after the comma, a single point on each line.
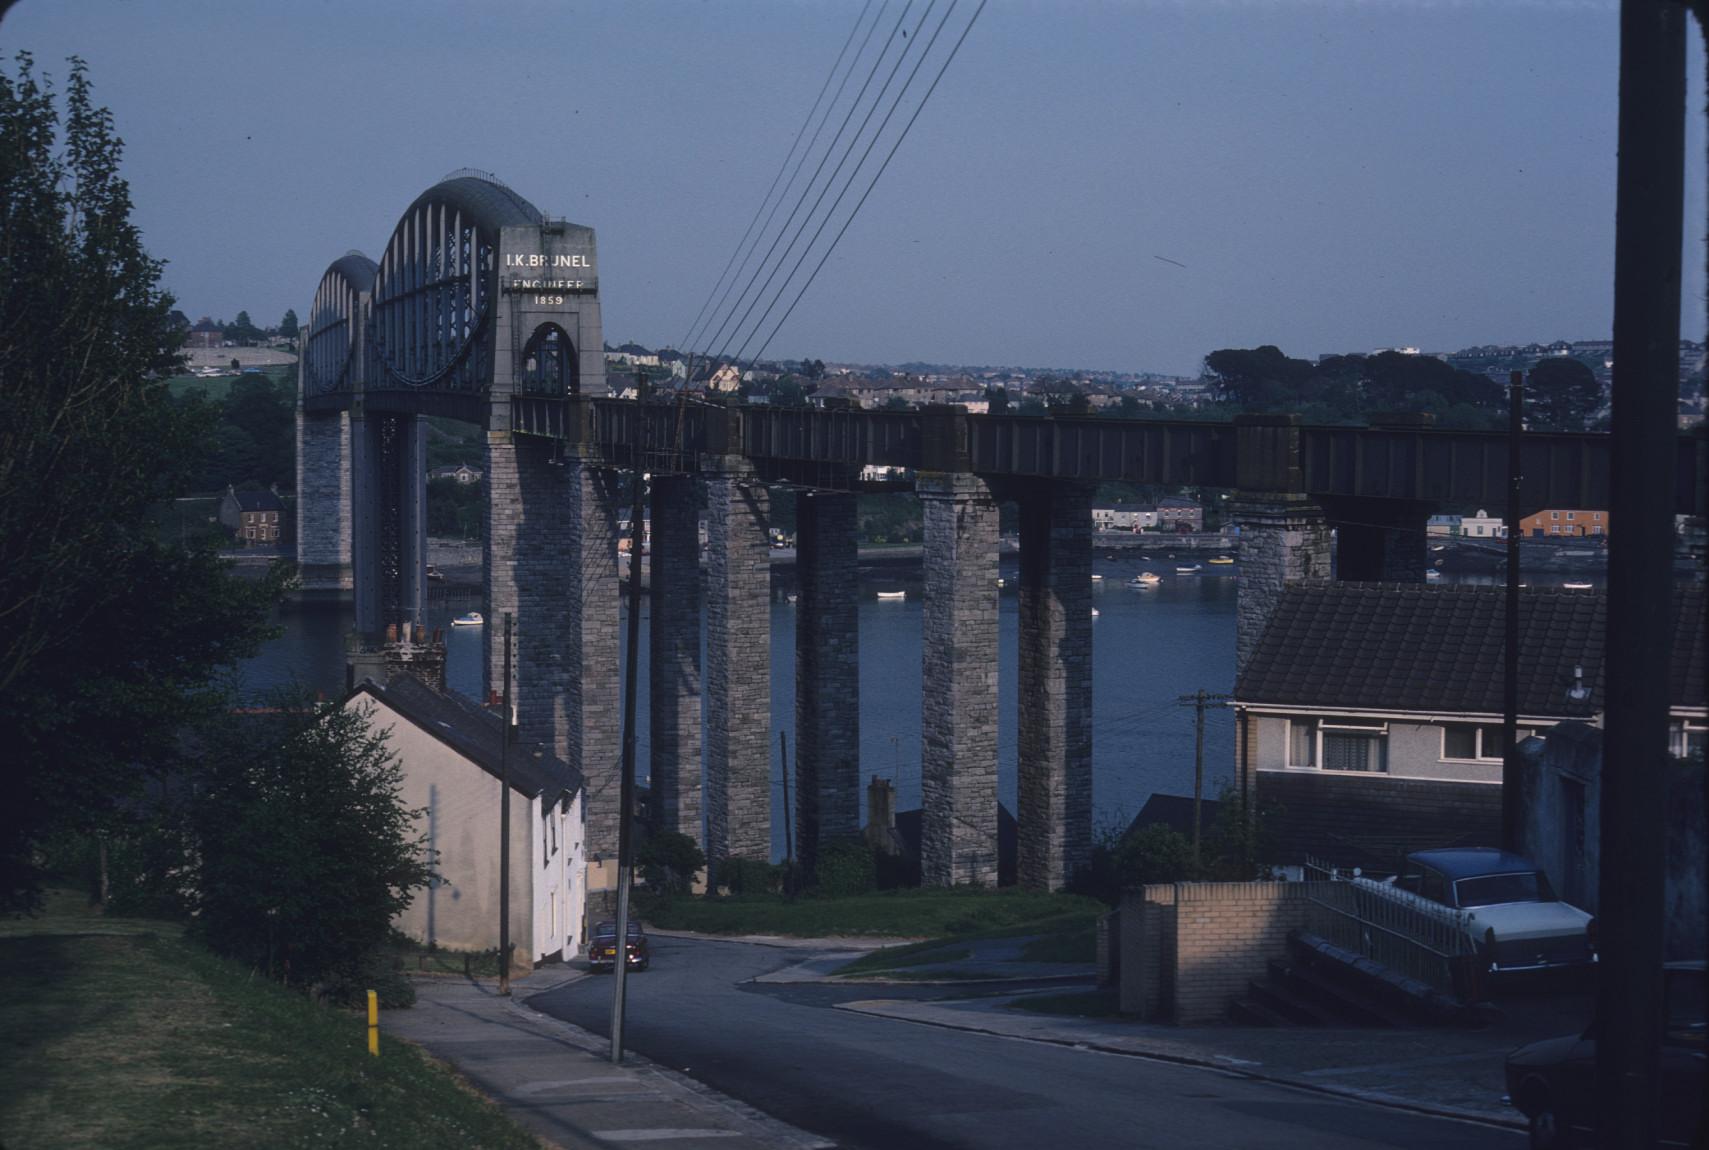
[304, 853]
[749, 876]
[1155, 854]
[845, 866]
[378, 970]
[669, 861]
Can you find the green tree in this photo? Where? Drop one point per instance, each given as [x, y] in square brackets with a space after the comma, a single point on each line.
[304, 852]
[1562, 394]
[288, 325]
[109, 636]
[242, 329]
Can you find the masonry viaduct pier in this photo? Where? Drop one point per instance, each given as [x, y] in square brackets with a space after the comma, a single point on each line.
[483, 310]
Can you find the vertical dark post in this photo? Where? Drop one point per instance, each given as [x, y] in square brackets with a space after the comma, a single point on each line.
[1647, 248]
[504, 824]
[1198, 769]
[626, 791]
[1511, 814]
[788, 839]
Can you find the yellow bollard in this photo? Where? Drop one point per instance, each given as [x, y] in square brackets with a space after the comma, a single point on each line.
[373, 1024]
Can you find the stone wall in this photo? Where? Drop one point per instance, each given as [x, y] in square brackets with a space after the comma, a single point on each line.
[958, 767]
[738, 666]
[1054, 808]
[1188, 949]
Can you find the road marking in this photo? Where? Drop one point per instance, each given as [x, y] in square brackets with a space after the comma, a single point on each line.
[661, 1133]
[562, 1083]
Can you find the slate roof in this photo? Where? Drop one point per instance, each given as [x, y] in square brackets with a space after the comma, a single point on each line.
[258, 501]
[472, 731]
[1413, 647]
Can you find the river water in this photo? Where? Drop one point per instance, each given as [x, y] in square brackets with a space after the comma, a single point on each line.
[1149, 647]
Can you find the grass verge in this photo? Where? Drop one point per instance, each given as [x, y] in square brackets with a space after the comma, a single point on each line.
[936, 913]
[1052, 935]
[1080, 1004]
[120, 1034]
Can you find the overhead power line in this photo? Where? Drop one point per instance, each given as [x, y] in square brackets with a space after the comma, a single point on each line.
[783, 167]
[874, 183]
[860, 96]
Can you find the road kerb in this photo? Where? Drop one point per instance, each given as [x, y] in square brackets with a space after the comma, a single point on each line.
[1231, 1067]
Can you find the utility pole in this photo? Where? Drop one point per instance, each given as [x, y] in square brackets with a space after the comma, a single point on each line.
[626, 792]
[788, 841]
[1199, 700]
[1510, 812]
[1649, 218]
[504, 825]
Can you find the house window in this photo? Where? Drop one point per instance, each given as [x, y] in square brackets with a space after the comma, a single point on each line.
[1686, 738]
[1596, 515]
[1570, 515]
[1474, 742]
[1554, 529]
[1554, 515]
[1354, 747]
[1302, 742]
[1596, 530]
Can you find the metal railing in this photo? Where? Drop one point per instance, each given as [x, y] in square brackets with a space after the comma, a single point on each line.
[1402, 932]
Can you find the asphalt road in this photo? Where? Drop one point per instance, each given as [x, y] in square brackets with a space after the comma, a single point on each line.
[885, 1085]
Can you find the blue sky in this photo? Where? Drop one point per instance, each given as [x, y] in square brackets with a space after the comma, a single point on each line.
[1333, 175]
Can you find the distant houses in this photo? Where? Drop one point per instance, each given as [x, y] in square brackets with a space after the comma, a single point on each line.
[462, 473]
[1558, 522]
[252, 516]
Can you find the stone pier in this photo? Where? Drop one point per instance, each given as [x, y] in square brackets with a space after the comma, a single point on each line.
[827, 673]
[324, 529]
[1380, 540]
[1284, 539]
[550, 560]
[389, 520]
[958, 827]
[673, 645]
[738, 663]
[1054, 809]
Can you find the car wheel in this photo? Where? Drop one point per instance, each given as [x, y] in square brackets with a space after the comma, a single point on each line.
[1545, 1129]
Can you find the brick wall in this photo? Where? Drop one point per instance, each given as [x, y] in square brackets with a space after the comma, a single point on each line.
[1370, 820]
[1189, 948]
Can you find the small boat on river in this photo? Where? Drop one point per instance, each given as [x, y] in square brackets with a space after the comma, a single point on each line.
[889, 595]
[1192, 569]
[472, 619]
[1222, 561]
[1145, 579]
[1576, 585]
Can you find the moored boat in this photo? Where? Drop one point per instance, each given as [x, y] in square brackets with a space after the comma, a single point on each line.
[1190, 569]
[1145, 579]
[1577, 585]
[1222, 561]
[472, 619]
[893, 595]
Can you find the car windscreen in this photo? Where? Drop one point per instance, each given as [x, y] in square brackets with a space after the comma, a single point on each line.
[1490, 889]
[609, 930]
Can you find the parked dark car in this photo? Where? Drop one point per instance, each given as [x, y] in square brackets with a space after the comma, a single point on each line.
[602, 951]
[1552, 1082]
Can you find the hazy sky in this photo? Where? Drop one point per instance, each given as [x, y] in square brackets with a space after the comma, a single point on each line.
[1334, 176]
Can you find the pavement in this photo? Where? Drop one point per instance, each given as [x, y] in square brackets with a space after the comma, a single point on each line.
[559, 1082]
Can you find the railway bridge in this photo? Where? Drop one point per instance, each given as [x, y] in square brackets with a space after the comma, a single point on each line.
[482, 309]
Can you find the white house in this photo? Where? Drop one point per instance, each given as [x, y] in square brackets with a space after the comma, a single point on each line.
[1483, 525]
[449, 749]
